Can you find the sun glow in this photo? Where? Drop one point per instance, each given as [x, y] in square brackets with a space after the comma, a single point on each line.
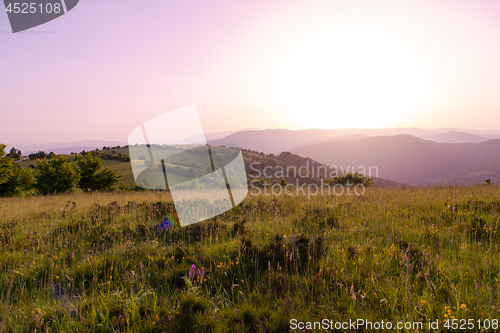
[350, 78]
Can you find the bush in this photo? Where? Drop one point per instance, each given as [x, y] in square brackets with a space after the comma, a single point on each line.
[21, 180]
[91, 179]
[5, 166]
[56, 175]
[350, 179]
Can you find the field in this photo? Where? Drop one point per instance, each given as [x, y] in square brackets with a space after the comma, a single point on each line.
[101, 262]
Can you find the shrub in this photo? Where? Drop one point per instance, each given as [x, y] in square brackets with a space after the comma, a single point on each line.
[350, 179]
[56, 175]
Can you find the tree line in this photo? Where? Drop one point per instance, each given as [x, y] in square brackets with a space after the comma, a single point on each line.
[55, 174]
[41, 155]
[109, 155]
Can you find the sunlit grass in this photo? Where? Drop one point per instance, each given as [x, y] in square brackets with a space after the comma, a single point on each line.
[99, 262]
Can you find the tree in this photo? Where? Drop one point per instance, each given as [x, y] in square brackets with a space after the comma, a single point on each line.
[56, 175]
[21, 180]
[9, 187]
[40, 155]
[6, 171]
[14, 153]
[91, 179]
[283, 182]
[25, 180]
[350, 179]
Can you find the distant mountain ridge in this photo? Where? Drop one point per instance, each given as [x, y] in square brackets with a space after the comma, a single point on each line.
[411, 160]
[277, 140]
[404, 155]
[335, 138]
[67, 148]
[454, 137]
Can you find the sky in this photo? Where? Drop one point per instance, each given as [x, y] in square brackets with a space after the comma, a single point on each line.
[106, 67]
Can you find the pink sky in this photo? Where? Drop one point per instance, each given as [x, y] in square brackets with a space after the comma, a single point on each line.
[108, 66]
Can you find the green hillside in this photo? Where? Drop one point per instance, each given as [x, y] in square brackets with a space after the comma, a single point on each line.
[260, 161]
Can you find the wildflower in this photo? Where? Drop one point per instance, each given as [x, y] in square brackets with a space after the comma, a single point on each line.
[200, 274]
[192, 271]
[463, 306]
[166, 224]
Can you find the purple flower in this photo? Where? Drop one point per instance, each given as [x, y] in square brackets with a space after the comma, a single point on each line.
[200, 274]
[191, 271]
[167, 223]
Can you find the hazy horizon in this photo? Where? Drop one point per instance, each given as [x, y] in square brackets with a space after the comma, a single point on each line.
[107, 67]
[487, 134]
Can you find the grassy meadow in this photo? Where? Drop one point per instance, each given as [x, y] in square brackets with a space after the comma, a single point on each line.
[100, 263]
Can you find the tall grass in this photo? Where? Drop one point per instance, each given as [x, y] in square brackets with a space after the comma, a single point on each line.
[100, 262]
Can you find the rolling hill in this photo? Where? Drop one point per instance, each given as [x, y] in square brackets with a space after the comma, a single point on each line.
[335, 138]
[454, 137]
[278, 140]
[411, 160]
[253, 161]
[399, 158]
